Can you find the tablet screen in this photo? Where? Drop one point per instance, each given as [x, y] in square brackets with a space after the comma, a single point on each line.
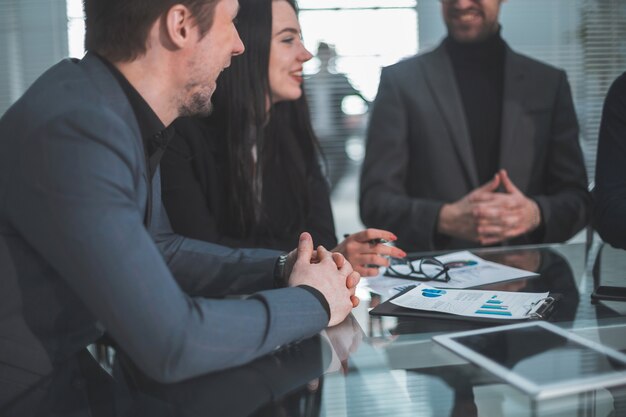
[540, 358]
[540, 355]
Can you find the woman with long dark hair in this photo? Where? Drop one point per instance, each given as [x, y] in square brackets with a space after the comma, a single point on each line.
[249, 174]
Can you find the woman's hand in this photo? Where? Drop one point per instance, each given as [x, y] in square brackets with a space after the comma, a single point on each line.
[367, 252]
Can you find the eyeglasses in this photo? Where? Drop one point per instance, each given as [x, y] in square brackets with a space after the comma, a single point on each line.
[425, 269]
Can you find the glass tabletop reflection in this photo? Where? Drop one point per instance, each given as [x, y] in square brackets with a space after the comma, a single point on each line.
[367, 365]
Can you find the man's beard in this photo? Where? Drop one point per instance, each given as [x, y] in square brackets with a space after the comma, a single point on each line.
[198, 104]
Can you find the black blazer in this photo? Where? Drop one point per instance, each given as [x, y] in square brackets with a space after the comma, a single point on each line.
[194, 190]
[610, 190]
[419, 153]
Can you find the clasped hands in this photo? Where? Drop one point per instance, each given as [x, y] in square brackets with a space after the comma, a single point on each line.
[336, 274]
[488, 216]
[328, 272]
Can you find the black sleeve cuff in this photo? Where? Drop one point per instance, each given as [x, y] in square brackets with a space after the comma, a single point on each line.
[320, 297]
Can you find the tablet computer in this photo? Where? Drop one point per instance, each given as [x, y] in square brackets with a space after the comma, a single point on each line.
[539, 358]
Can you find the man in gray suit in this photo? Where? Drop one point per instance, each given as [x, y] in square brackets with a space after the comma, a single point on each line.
[473, 144]
[85, 245]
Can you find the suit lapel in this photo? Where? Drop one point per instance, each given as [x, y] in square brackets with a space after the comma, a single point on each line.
[516, 152]
[442, 81]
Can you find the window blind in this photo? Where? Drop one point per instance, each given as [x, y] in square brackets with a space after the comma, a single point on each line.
[602, 33]
[33, 36]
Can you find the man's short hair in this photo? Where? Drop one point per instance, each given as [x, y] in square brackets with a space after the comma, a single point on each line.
[118, 29]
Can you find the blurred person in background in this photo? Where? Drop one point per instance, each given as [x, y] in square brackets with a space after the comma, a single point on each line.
[329, 93]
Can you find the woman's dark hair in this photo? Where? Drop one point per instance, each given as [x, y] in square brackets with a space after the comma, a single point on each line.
[240, 118]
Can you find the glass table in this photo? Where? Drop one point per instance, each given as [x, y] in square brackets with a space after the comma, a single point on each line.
[376, 366]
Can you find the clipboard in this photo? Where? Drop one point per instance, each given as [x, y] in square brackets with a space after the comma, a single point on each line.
[388, 308]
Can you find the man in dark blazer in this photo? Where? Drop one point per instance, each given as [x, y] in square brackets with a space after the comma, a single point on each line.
[85, 245]
[609, 210]
[473, 144]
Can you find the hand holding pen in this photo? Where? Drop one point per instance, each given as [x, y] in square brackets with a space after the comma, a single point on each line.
[367, 251]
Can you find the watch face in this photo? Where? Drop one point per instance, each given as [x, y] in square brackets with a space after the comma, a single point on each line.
[282, 260]
[280, 280]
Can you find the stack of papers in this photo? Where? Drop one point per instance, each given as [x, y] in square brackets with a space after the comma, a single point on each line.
[466, 270]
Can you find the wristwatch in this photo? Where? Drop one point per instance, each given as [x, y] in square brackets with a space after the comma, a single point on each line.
[279, 271]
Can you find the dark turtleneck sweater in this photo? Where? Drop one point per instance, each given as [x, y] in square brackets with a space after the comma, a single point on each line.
[479, 71]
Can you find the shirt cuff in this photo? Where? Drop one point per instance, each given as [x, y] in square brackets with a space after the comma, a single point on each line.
[320, 297]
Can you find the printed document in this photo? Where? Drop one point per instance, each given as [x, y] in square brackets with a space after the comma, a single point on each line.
[472, 303]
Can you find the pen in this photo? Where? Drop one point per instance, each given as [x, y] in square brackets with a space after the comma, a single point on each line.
[372, 242]
[377, 241]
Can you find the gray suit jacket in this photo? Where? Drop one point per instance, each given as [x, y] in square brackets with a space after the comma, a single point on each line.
[76, 259]
[419, 153]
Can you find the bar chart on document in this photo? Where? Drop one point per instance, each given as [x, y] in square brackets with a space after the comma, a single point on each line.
[494, 307]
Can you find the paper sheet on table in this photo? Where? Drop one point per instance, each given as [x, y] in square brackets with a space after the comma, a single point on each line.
[385, 286]
[467, 270]
[472, 303]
